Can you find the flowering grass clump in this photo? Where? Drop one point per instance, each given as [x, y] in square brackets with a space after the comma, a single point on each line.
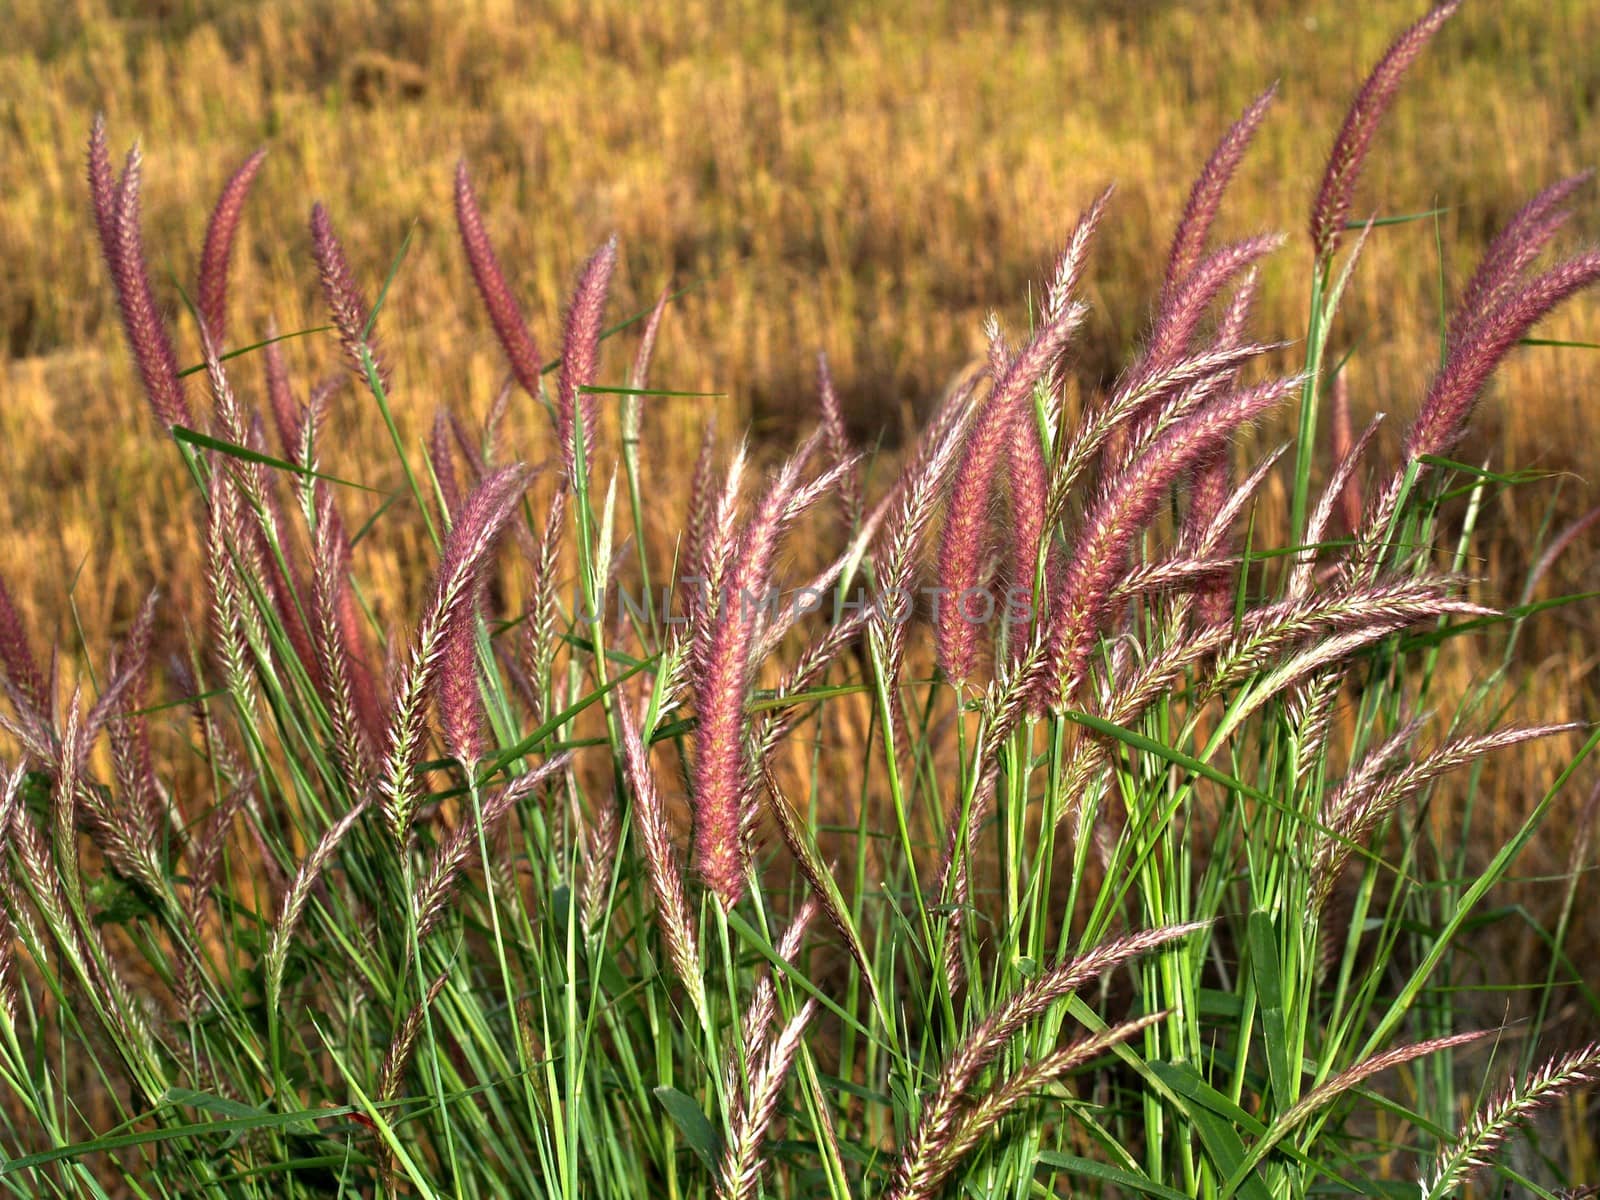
[1138, 895]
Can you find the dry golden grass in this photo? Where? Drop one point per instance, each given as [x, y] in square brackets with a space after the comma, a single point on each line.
[867, 179]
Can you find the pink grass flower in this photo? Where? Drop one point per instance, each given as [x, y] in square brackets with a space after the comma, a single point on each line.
[1456, 388]
[1331, 208]
[1123, 510]
[965, 545]
[116, 210]
[346, 305]
[212, 296]
[466, 555]
[580, 354]
[1205, 198]
[505, 314]
[722, 769]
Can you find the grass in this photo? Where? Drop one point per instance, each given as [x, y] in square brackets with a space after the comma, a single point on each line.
[768, 162]
[408, 875]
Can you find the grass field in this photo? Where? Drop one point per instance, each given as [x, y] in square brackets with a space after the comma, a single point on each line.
[868, 180]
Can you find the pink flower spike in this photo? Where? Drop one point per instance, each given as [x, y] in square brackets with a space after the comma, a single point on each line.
[838, 439]
[467, 550]
[1194, 227]
[212, 298]
[280, 395]
[1332, 206]
[1183, 308]
[103, 190]
[141, 319]
[1516, 246]
[1127, 505]
[346, 304]
[16, 659]
[1456, 388]
[722, 684]
[580, 353]
[964, 546]
[505, 314]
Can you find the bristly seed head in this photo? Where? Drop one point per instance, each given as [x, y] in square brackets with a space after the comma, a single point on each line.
[505, 314]
[346, 305]
[116, 212]
[1332, 206]
[580, 354]
[212, 297]
[1194, 227]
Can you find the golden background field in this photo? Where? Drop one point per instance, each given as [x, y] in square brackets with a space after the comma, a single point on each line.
[868, 179]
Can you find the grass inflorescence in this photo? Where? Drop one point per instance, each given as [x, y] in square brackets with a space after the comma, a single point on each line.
[1141, 881]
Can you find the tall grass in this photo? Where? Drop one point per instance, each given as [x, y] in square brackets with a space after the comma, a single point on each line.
[1156, 881]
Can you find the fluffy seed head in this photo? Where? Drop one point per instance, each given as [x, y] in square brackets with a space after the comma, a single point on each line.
[505, 314]
[1516, 246]
[141, 320]
[1456, 388]
[580, 353]
[16, 659]
[1124, 509]
[722, 772]
[965, 543]
[1194, 227]
[1332, 206]
[346, 305]
[661, 859]
[212, 297]
[466, 553]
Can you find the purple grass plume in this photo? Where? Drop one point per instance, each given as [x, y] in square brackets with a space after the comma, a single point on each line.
[1209, 483]
[505, 314]
[1123, 510]
[580, 355]
[1029, 491]
[212, 296]
[286, 417]
[443, 461]
[1513, 250]
[340, 292]
[460, 707]
[1331, 209]
[838, 440]
[1205, 198]
[460, 847]
[963, 547]
[116, 211]
[661, 859]
[1182, 311]
[343, 673]
[923, 1163]
[639, 373]
[17, 664]
[1474, 1147]
[740, 1174]
[466, 556]
[1346, 450]
[1442, 418]
[722, 768]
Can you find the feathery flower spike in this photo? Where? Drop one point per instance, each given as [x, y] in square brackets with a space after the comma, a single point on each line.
[580, 354]
[963, 547]
[1332, 206]
[505, 314]
[116, 209]
[212, 296]
[1205, 198]
[343, 297]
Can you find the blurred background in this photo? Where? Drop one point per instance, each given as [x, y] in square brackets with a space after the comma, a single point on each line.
[866, 179]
